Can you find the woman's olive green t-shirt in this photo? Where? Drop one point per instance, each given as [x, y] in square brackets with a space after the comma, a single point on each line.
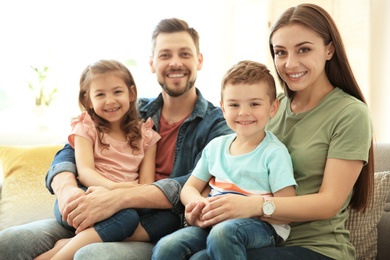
[339, 127]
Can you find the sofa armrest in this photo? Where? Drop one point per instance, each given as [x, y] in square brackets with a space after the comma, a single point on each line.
[383, 233]
[24, 196]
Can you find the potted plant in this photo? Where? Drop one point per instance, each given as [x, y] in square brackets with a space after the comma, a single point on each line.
[43, 94]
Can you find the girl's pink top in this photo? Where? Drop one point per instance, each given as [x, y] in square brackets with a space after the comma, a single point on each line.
[117, 163]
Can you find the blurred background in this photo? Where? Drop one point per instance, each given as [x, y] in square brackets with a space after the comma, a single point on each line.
[45, 45]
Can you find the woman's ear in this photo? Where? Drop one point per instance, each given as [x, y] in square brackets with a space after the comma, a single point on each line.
[330, 50]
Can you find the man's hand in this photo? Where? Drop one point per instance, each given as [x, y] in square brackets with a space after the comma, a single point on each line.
[66, 197]
[98, 204]
[65, 187]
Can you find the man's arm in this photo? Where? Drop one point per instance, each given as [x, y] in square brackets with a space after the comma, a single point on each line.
[65, 187]
[64, 161]
[61, 178]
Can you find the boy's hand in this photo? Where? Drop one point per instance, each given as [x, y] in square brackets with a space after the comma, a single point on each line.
[193, 213]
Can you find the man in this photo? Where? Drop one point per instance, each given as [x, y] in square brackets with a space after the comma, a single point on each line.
[186, 123]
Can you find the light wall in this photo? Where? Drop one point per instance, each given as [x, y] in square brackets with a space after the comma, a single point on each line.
[379, 68]
[68, 35]
[365, 28]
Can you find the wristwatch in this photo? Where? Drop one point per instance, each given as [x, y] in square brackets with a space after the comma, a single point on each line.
[268, 208]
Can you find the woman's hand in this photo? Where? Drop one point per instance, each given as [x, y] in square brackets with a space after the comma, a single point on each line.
[224, 207]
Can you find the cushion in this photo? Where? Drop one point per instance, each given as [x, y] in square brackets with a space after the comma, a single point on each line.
[24, 197]
[363, 226]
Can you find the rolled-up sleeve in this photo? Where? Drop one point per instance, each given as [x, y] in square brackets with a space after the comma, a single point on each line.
[64, 161]
[171, 188]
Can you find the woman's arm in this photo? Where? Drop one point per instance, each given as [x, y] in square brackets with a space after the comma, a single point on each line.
[339, 179]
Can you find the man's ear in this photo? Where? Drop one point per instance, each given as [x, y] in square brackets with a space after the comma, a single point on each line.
[152, 69]
[200, 61]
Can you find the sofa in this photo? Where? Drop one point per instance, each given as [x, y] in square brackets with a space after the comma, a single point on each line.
[24, 197]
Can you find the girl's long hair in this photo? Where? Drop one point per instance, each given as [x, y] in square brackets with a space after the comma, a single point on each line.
[130, 124]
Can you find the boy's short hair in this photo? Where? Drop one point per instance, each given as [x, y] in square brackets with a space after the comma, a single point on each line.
[249, 72]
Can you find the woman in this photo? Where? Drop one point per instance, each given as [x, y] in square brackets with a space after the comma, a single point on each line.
[324, 121]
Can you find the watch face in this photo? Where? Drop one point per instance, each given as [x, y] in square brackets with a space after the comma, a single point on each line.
[268, 208]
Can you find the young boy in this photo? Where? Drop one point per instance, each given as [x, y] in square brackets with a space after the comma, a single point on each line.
[249, 162]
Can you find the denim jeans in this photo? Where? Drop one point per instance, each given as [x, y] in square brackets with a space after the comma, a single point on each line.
[116, 228]
[30, 240]
[157, 223]
[27, 241]
[274, 253]
[227, 240]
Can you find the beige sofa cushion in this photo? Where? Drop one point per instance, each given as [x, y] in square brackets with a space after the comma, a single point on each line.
[24, 191]
[363, 226]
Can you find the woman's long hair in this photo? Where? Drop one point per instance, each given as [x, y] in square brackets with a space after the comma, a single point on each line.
[339, 73]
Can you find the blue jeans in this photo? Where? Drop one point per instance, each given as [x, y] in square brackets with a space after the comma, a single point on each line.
[157, 223]
[114, 229]
[27, 241]
[274, 253]
[32, 239]
[227, 240]
[122, 224]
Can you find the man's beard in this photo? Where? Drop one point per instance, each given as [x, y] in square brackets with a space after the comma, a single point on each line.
[179, 92]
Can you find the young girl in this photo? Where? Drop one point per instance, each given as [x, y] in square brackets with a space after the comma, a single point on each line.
[325, 123]
[113, 149]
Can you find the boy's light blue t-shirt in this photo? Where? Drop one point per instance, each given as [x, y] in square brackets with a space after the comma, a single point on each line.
[263, 171]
